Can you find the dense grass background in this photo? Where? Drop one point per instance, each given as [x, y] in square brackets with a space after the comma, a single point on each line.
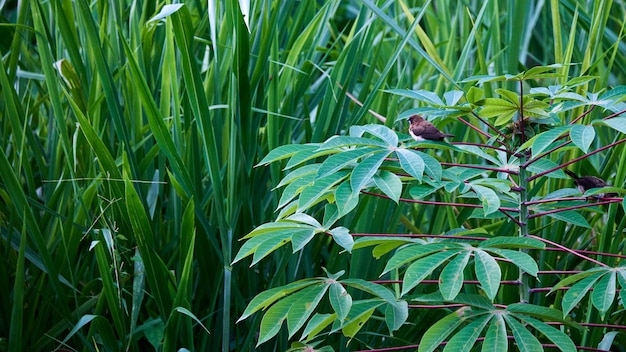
[128, 147]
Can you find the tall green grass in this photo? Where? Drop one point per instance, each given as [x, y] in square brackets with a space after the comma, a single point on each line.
[129, 144]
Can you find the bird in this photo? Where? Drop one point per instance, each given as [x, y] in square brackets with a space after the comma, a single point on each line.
[585, 183]
[421, 129]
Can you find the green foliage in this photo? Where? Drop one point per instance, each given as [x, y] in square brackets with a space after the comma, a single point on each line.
[130, 131]
[355, 162]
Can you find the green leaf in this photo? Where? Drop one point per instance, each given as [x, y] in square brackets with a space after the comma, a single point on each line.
[267, 298]
[558, 337]
[422, 268]
[316, 324]
[496, 339]
[342, 237]
[582, 136]
[415, 251]
[544, 164]
[359, 314]
[372, 288]
[572, 217]
[536, 311]
[617, 123]
[396, 315]
[299, 239]
[345, 199]
[440, 331]
[512, 242]
[273, 319]
[525, 340]
[431, 166]
[545, 139]
[420, 191]
[411, 162]
[318, 191]
[335, 142]
[286, 151]
[522, 260]
[295, 188]
[603, 293]
[568, 280]
[365, 170]
[308, 171]
[270, 243]
[429, 98]
[380, 131]
[509, 95]
[577, 292]
[342, 159]
[308, 154]
[489, 198]
[157, 273]
[487, 272]
[301, 309]
[451, 278]
[465, 339]
[340, 300]
[389, 184]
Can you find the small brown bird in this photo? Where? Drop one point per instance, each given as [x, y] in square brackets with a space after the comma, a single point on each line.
[421, 129]
[585, 183]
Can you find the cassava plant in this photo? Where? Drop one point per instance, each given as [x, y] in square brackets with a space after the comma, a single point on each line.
[482, 279]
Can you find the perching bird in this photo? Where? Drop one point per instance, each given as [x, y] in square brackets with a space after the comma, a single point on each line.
[585, 183]
[421, 129]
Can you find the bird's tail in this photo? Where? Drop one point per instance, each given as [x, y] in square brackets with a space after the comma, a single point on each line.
[448, 135]
[570, 174]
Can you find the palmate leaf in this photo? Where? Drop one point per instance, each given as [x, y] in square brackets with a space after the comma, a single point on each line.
[389, 184]
[314, 193]
[340, 300]
[422, 268]
[335, 142]
[582, 136]
[431, 166]
[617, 123]
[488, 197]
[496, 339]
[425, 96]
[359, 314]
[286, 151]
[345, 198]
[558, 337]
[451, 278]
[512, 242]
[522, 260]
[414, 252]
[544, 140]
[342, 159]
[411, 162]
[571, 217]
[365, 170]
[342, 237]
[440, 331]
[316, 324]
[396, 315]
[525, 340]
[603, 293]
[577, 292]
[465, 339]
[487, 272]
[301, 310]
[273, 319]
[381, 131]
[267, 298]
[308, 154]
